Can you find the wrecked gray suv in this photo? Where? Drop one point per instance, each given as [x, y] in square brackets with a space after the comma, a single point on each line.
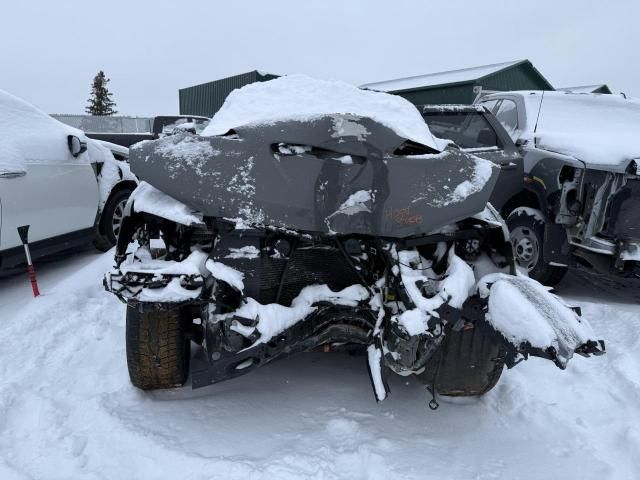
[334, 232]
[580, 201]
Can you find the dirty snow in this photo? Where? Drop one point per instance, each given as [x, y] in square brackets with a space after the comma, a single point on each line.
[298, 97]
[67, 409]
[147, 198]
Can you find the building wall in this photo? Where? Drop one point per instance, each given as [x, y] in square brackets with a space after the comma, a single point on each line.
[445, 94]
[519, 77]
[207, 98]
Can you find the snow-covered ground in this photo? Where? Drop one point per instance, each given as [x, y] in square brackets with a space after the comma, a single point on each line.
[67, 409]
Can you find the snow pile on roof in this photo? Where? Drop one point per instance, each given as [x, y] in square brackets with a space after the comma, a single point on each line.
[601, 130]
[440, 78]
[298, 97]
[30, 135]
[583, 88]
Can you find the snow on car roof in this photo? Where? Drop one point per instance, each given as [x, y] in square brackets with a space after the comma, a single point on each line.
[430, 79]
[600, 130]
[582, 88]
[298, 97]
[27, 134]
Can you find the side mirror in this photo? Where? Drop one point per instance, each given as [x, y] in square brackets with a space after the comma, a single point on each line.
[521, 142]
[76, 146]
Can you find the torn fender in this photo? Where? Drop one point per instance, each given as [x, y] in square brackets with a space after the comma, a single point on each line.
[535, 322]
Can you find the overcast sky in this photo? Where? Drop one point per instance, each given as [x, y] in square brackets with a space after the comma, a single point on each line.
[150, 49]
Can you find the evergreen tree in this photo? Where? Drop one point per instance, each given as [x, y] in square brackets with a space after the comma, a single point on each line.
[100, 102]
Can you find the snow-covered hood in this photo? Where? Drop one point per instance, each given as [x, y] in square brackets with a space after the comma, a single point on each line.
[603, 131]
[360, 189]
[28, 135]
[298, 97]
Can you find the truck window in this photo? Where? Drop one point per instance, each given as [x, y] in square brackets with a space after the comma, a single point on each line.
[507, 115]
[468, 130]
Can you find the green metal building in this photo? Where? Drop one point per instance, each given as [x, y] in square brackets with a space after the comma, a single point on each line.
[207, 98]
[465, 85]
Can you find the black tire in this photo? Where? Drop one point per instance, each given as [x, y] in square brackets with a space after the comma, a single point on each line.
[158, 347]
[468, 363]
[527, 230]
[106, 235]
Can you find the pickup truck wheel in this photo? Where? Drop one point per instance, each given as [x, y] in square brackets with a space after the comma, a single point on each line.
[111, 220]
[526, 229]
[468, 363]
[158, 347]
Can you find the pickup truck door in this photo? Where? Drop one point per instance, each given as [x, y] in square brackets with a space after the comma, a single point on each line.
[54, 197]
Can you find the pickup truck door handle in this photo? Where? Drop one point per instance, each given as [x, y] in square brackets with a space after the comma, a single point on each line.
[12, 173]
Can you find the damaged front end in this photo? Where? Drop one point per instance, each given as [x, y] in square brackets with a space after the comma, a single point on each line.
[256, 295]
[334, 233]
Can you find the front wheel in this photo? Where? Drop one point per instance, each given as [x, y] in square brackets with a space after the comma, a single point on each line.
[468, 363]
[111, 220]
[158, 346]
[526, 229]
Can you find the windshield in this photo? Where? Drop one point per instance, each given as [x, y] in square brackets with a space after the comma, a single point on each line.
[195, 124]
[468, 130]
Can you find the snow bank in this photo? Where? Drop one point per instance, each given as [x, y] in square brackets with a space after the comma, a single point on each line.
[298, 97]
[601, 130]
[28, 135]
[147, 198]
[68, 410]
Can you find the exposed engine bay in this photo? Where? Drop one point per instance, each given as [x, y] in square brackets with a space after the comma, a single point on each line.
[601, 213]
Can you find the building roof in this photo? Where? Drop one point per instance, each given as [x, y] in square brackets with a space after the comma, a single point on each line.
[252, 73]
[601, 88]
[464, 75]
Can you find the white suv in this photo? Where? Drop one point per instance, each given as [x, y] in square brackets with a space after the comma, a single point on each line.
[69, 189]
